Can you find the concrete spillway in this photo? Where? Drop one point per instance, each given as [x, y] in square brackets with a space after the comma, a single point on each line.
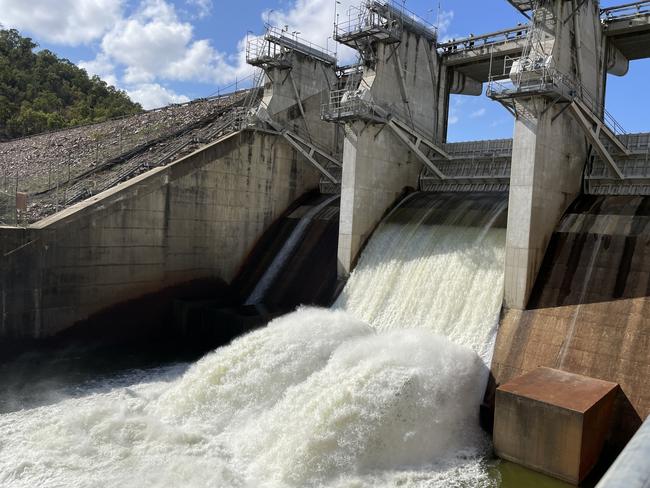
[432, 250]
[375, 392]
[295, 262]
[589, 310]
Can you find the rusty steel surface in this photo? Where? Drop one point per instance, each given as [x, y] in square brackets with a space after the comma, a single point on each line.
[559, 388]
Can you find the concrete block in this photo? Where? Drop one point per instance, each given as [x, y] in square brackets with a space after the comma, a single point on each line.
[553, 422]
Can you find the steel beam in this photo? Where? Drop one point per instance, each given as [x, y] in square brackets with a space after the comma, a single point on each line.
[404, 133]
[309, 151]
[594, 139]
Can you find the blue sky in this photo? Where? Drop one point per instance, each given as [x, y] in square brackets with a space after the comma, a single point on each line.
[164, 51]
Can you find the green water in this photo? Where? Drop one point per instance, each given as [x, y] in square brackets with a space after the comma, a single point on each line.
[514, 476]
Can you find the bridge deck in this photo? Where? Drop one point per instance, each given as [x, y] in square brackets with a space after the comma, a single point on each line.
[627, 27]
[631, 35]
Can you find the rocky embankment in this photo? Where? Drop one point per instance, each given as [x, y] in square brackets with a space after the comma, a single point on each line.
[59, 168]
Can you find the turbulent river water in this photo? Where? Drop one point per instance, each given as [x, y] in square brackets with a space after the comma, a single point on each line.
[383, 389]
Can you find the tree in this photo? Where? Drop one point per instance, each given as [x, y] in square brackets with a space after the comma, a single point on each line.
[40, 91]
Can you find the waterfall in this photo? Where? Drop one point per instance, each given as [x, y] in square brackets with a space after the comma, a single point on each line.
[381, 390]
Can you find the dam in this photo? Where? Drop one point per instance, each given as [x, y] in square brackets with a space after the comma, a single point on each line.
[372, 305]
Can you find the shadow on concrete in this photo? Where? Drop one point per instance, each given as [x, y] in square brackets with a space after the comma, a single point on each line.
[600, 252]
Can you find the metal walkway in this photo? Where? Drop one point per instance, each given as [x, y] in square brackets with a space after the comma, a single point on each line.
[471, 166]
[633, 175]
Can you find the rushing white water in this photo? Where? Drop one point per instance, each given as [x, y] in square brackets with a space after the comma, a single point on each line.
[383, 390]
[433, 275]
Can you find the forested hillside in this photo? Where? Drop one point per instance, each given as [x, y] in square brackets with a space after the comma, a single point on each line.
[40, 91]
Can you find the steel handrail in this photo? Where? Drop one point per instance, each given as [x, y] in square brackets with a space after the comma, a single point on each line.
[630, 9]
[493, 38]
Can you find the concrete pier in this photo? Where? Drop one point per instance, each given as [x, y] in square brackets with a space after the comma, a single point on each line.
[403, 79]
[549, 149]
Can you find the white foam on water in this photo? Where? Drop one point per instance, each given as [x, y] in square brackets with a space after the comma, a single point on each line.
[381, 391]
[252, 373]
[383, 403]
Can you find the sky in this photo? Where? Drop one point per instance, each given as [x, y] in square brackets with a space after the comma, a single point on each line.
[168, 51]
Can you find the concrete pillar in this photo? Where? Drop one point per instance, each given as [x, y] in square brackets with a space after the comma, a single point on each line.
[549, 147]
[293, 94]
[376, 170]
[405, 81]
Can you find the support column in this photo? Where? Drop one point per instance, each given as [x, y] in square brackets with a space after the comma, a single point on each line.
[549, 147]
[376, 170]
[378, 167]
[546, 176]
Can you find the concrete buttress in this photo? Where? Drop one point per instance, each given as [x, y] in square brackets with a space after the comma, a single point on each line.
[549, 147]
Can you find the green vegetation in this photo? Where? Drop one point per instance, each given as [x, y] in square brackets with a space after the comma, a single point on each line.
[40, 91]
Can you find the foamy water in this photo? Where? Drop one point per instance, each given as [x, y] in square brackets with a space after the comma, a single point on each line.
[383, 390]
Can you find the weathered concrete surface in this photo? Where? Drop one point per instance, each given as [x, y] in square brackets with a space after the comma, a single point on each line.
[375, 173]
[307, 275]
[293, 97]
[196, 218]
[549, 148]
[590, 310]
[377, 167]
[546, 176]
[554, 422]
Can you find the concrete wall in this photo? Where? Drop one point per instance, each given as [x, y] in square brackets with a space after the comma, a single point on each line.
[194, 219]
[306, 83]
[376, 169]
[377, 166]
[546, 176]
[590, 309]
[631, 469]
[548, 155]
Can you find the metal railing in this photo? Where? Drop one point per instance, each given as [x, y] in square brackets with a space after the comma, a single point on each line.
[66, 181]
[229, 122]
[479, 149]
[627, 10]
[362, 20]
[541, 78]
[386, 19]
[275, 44]
[533, 77]
[473, 42]
[347, 103]
[260, 50]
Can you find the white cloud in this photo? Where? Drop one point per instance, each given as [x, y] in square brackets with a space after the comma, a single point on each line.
[203, 7]
[478, 113]
[154, 45]
[68, 22]
[153, 95]
[314, 20]
[102, 67]
[445, 18]
[147, 42]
